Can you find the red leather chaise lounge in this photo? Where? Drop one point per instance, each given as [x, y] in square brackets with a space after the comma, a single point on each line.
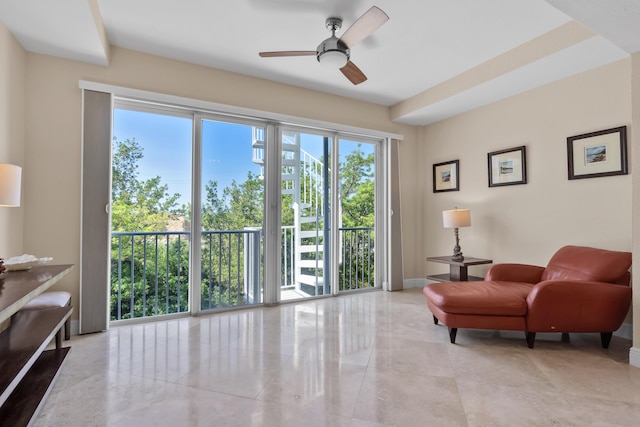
[581, 290]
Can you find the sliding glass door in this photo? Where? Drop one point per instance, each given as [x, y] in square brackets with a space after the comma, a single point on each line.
[306, 215]
[357, 215]
[189, 223]
[150, 198]
[313, 229]
[231, 214]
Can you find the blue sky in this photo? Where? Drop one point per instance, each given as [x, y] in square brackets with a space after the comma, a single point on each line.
[226, 149]
[166, 143]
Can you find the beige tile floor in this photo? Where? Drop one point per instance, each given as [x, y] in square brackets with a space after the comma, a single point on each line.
[372, 359]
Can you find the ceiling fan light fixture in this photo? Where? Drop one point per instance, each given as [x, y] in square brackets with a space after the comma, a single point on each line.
[333, 58]
[335, 52]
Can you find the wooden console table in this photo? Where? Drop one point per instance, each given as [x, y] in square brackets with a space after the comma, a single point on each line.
[457, 269]
[27, 371]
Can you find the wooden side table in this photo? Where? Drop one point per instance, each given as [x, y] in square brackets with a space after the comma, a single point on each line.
[28, 370]
[457, 269]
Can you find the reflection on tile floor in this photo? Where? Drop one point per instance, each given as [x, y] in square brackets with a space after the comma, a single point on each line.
[371, 359]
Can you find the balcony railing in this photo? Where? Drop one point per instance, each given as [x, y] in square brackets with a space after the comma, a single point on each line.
[356, 258]
[149, 274]
[230, 268]
[150, 270]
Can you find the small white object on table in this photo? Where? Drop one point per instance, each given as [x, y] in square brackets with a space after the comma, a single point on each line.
[24, 262]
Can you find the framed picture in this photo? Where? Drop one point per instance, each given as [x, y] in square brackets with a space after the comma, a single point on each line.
[602, 153]
[507, 167]
[446, 176]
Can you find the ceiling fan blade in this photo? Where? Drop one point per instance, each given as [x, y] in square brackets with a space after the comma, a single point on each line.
[288, 53]
[353, 73]
[369, 22]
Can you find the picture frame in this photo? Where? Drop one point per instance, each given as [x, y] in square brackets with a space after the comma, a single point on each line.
[446, 176]
[597, 154]
[507, 167]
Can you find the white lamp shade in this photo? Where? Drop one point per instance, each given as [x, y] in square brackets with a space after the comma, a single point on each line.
[456, 218]
[333, 58]
[10, 179]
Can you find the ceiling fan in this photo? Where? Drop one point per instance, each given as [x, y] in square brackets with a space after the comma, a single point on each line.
[336, 51]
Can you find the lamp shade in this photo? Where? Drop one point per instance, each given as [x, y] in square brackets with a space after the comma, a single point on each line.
[333, 59]
[456, 218]
[10, 179]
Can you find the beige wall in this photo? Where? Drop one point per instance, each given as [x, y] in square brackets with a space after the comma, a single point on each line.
[528, 223]
[12, 123]
[524, 223]
[411, 167]
[53, 134]
[635, 156]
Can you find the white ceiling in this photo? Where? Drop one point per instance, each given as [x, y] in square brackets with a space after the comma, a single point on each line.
[433, 59]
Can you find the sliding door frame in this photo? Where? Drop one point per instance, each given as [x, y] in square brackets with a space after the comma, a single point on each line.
[273, 124]
[195, 268]
[381, 195]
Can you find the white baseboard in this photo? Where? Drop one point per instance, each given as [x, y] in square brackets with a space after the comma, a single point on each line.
[414, 283]
[634, 357]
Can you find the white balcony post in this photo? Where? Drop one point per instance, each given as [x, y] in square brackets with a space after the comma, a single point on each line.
[252, 239]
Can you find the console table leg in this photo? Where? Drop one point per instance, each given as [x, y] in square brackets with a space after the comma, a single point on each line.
[458, 273]
[59, 339]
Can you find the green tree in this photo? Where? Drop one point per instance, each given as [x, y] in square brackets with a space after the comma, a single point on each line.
[138, 205]
[357, 190]
[124, 180]
[357, 197]
[149, 271]
[240, 206]
[152, 269]
[245, 202]
[214, 209]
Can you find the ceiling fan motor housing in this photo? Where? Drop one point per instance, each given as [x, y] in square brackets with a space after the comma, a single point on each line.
[333, 44]
[333, 51]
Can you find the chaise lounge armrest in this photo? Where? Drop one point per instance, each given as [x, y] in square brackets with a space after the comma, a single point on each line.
[577, 306]
[514, 273]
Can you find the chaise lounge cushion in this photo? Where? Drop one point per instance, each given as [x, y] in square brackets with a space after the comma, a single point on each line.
[490, 298]
[588, 264]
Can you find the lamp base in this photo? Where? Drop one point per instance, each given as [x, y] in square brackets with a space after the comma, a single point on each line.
[457, 253]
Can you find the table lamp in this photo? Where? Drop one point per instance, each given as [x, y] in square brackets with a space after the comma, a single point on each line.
[455, 219]
[10, 178]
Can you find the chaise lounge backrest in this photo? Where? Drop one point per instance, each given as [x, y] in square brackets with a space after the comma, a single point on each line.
[591, 264]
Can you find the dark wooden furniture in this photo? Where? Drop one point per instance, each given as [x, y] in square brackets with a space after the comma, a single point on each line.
[27, 371]
[457, 269]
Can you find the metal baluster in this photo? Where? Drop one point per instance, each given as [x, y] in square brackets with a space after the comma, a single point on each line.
[350, 259]
[119, 277]
[357, 233]
[166, 281]
[220, 268]
[343, 243]
[179, 281]
[369, 258]
[133, 288]
[210, 268]
[229, 236]
[155, 303]
[238, 280]
[144, 276]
